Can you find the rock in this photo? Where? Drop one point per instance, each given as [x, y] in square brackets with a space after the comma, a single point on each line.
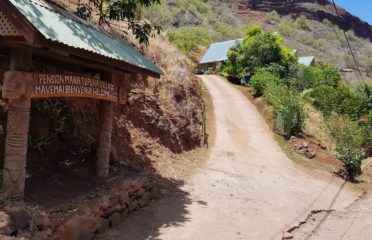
[297, 147]
[19, 217]
[305, 145]
[45, 234]
[114, 219]
[124, 197]
[42, 221]
[2, 237]
[132, 205]
[103, 227]
[91, 208]
[322, 146]
[124, 214]
[309, 154]
[5, 223]
[287, 235]
[81, 228]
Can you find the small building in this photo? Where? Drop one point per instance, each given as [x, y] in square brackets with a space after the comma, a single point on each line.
[48, 52]
[307, 61]
[217, 53]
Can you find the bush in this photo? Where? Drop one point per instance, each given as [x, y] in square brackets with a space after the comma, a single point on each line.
[350, 138]
[188, 39]
[302, 23]
[261, 80]
[341, 100]
[352, 160]
[288, 108]
[285, 26]
[368, 65]
[321, 74]
[272, 16]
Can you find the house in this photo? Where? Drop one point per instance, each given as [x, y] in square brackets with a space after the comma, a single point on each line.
[307, 61]
[217, 53]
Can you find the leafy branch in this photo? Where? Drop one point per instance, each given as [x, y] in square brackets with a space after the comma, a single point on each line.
[128, 11]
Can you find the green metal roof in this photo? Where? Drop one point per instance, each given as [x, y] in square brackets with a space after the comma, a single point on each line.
[58, 25]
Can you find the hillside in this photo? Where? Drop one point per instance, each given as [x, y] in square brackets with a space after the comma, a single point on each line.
[196, 24]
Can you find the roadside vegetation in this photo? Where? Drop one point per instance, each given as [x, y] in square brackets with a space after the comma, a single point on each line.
[288, 87]
[193, 25]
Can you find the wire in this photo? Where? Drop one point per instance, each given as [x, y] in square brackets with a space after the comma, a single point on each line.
[351, 51]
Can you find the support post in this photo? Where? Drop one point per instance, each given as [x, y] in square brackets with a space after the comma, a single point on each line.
[106, 115]
[17, 132]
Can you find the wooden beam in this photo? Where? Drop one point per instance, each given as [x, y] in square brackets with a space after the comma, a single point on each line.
[17, 132]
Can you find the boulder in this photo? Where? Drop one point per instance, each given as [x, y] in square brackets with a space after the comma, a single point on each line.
[5, 223]
[309, 154]
[81, 228]
[19, 218]
[2, 237]
[45, 234]
[42, 221]
[114, 219]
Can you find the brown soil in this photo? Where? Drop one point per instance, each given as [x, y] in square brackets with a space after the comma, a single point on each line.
[247, 189]
[322, 156]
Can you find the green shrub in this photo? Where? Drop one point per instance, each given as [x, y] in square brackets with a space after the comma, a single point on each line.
[368, 65]
[272, 16]
[319, 44]
[314, 76]
[302, 23]
[351, 35]
[341, 100]
[231, 66]
[285, 26]
[350, 138]
[188, 39]
[261, 80]
[288, 108]
[346, 133]
[352, 160]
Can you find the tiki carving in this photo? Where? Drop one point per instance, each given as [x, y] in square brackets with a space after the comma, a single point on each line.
[105, 132]
[16, 147]
[17, 123]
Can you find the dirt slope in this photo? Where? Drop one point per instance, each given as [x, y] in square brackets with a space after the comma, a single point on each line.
[248, 189]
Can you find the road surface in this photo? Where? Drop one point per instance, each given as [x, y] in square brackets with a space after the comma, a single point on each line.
[248, 188]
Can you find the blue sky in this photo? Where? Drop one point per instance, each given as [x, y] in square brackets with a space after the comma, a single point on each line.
[360, 8]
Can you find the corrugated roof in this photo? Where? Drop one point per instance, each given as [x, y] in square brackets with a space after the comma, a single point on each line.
[217, 52]
[307, 61]
[58, 25]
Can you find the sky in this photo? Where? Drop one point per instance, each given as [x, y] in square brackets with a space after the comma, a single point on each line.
[360, 8]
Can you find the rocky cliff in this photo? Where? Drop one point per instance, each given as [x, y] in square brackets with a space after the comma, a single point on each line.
[313, 9]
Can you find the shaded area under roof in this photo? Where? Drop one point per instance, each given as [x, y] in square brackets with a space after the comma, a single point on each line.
[307, 61]
[217, 52]
[60, 26]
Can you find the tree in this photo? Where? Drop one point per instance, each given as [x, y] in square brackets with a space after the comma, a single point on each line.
[128, 11]
[261, 49]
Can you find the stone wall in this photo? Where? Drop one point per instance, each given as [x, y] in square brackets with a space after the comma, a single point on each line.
[92, 215]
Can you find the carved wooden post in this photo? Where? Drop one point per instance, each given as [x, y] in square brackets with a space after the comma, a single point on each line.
[106, 114]
[17, 132]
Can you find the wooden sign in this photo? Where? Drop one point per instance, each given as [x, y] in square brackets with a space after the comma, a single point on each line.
[44, 85]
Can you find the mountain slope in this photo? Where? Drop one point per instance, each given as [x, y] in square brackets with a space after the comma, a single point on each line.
[320, 34]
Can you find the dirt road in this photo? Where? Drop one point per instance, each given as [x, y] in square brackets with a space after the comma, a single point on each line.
[248, 189]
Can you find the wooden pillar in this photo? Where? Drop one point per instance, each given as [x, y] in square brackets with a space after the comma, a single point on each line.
[17, 132]
[106, 115]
